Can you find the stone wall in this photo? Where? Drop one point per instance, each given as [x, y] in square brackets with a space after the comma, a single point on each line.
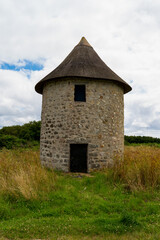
[99, 122]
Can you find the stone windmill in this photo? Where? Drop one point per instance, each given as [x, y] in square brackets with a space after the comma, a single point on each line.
[82, 126]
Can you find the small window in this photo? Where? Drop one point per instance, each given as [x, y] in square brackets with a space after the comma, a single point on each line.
[80, 93]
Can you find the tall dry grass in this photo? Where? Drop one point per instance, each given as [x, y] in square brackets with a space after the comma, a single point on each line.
[22, 175]
[140, 168]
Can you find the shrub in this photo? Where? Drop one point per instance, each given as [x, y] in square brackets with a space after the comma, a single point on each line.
[29, 131]
[10, 142]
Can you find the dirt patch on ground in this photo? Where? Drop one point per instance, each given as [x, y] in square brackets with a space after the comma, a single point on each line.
[79, 175]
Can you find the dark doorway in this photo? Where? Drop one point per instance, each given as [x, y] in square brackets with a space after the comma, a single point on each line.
[78, 157]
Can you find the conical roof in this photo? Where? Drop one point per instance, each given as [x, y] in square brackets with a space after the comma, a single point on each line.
[83, 62]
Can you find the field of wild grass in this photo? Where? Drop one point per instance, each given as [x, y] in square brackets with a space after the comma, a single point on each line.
[118, 203]
[21, 175]
[140, 169]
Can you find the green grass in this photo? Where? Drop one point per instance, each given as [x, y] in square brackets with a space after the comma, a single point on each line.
[88, 207]
[121, 203]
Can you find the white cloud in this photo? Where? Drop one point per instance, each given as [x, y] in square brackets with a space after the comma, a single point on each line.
[19, 103]
[126, 35]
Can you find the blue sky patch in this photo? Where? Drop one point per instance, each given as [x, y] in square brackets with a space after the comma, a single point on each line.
[22, 64]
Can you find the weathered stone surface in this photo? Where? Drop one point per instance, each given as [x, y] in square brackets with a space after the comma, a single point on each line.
[99, 122]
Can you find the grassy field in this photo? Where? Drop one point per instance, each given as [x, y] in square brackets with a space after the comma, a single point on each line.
[115, 204]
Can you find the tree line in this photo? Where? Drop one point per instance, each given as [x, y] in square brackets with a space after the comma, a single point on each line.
[28, 135]
[140, 139]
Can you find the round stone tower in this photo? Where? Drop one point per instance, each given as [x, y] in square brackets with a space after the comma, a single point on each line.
[82, 126]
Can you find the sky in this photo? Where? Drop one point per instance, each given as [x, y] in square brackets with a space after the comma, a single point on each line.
[37, 35]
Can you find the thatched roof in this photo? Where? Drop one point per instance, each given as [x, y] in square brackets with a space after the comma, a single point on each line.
[83, 62]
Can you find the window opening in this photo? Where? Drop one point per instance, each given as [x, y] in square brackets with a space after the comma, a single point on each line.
[80, 93]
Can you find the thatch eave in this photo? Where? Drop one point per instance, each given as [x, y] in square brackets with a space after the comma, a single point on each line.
[83, 62]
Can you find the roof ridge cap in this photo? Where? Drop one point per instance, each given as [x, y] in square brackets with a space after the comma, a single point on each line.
[84, 42]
